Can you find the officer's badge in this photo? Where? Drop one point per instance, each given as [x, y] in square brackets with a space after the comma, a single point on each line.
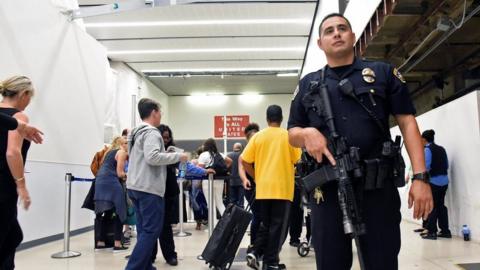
[368, 72]
[368, 75]
[295, 93]
[398, 75]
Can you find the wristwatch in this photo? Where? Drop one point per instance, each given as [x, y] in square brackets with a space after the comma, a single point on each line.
[423, 176]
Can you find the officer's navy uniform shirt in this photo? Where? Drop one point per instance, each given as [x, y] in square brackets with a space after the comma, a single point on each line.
[386, 95]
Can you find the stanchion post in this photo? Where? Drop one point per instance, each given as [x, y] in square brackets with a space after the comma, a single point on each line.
[67, 253]
[211, 205]
[181, 178]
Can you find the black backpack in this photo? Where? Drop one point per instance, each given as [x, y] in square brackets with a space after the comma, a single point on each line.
[219, 165]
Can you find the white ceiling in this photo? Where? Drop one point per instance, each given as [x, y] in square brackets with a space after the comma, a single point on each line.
[251, 54]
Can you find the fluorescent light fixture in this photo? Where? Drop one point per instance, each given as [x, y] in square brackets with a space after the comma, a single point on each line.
[181, 76]
[287, 74]
[209, 50]
[207, 100]
[199, 22]
[250, 94]
[218, 69]
[198, 94]
[250, 98]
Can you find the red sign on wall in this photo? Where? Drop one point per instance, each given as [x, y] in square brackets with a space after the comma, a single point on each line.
[235, 125]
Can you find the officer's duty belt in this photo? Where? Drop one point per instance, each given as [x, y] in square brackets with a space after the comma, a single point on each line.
[375, 172]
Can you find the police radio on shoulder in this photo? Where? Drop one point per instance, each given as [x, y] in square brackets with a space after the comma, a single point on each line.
[423, 176]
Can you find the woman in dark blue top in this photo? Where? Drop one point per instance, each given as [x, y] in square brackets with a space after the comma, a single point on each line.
[110, 199]
[16, 92]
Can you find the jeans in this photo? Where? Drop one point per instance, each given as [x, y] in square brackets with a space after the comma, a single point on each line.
[150, 214]
[237, 195]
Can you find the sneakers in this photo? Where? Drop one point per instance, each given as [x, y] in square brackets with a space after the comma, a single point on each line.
[102, 248]
[252, 261]
[279, 266]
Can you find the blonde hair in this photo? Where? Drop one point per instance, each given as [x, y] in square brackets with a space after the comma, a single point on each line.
[16, 85]
[116, 143]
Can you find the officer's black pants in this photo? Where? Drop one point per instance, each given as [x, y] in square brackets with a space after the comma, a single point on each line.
[10, 233]
[273, 229]
[308, 224]
[439, 212]
[380, 245]
[296, 217]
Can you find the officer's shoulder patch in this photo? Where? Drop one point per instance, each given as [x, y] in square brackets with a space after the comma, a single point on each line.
[295, 92]
[397, 74]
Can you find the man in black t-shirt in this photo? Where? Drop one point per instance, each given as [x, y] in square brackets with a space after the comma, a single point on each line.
[236, 191]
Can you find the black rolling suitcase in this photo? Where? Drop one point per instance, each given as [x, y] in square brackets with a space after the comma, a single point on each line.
[106, 233]
[222, 246]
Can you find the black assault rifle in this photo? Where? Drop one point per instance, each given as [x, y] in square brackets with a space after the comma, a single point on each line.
[347, 163]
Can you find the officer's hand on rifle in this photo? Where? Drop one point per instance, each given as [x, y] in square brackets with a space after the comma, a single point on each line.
[420, 196]
[316, 145]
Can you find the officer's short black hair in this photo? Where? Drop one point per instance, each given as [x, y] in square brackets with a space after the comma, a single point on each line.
[274, 114]
[429, 135]
[146, 106]
[330, 16]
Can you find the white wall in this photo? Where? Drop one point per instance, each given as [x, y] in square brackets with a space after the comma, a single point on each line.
[359, 12]
[148, 89]
[191, 117]
[68, 69]
[315, 59]
[457, 128]
[125, 83]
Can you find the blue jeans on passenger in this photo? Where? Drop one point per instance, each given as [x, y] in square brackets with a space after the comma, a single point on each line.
[149, 209]
[237, 195]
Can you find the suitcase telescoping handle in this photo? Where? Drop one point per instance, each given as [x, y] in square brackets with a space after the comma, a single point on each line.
[251, 202]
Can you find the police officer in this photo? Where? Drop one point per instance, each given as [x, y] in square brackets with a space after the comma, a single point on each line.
[381, 89]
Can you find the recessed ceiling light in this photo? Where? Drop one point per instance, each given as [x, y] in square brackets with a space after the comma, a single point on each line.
[219, 69]
[209, 50]
[199, 22]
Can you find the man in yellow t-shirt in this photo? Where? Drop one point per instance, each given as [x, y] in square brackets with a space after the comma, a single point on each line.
[274, 160]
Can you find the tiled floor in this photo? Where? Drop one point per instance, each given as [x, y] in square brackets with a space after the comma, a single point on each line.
[416, 253]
